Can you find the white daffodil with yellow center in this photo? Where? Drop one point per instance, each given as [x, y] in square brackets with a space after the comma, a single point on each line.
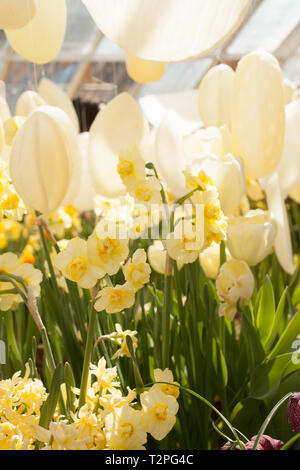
[234, 283]
[120, 338]
[169, 388]
[124, 429]
[115, 299]
[131, 167]
[105, 376]
[107, 252]
[147, 191]
[137, 271]
[159, 412]
[74, 263]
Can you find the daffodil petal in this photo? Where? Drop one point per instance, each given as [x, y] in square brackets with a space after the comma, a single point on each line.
[170, 156]
[276, 206]
[119, 125]
[41, 39]
[55, 96]
[168, 30]
[15, 14]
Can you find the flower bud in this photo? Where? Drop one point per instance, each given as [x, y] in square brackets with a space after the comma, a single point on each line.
[210, 260]
[258, 113]
[44, 163]
[40, 40]
[28, 102]
[215, 96]
[144, 71]
[250, 238]
[15, 14]
[293, 412]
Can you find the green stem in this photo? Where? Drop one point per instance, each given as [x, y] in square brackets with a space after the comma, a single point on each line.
[87, 357]
[292, 441]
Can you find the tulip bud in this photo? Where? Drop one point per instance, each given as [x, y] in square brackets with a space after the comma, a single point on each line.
[144, 71]
[15, 14]
[215, 96]
[289, 166]
[84, 200]
[40, 40]
[210, 260]
[293, 412]
[258, 113]
[157, 257]
[251, 238]
[28, 102]
[55, 96]
[44, 163]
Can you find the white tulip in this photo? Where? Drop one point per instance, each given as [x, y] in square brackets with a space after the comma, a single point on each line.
[258, 113]
[168, 30]
[40, 40]
[290, 91]
[28, 102]
[44, 163]
[277, 210]
[210, 260]
[84, 200]
[288, 169]
[216, 95]
[117, 127]
[250, 238]
[55, 96]
[15, 14]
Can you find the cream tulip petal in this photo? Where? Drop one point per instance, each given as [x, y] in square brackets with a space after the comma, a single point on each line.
[289, 167]
[290, 91]
[258, 113]
[84, 200]
[55, 96]
[41, 39]
[184, 104]
[215, 96]
[15, 14]
[167, 30]
[144, 71]
[277, 209]
[170, 156]
[295, 195]
[120, 125]
[43, 160]
[28, 102]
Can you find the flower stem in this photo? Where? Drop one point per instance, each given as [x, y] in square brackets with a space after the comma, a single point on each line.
[87, 356]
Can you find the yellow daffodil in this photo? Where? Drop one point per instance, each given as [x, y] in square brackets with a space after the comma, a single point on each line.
[167, 388]
[159, 412]
[234, 283]
[137, 271]
[74, 263]
[124, 429]
[115, 299]
[107, 252]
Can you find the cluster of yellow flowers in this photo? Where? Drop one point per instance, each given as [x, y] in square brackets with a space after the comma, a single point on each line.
[86, 262]
[12, 268]
[11, 204]
[131, 168]
[108, 420]
[20, 403]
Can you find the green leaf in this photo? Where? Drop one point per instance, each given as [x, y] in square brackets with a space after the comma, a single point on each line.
[266, 310]
[219, 364]
[278, 317]
[50, 404]
[70, 383]
[266, 377]
[288, 336]
[255, 350]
